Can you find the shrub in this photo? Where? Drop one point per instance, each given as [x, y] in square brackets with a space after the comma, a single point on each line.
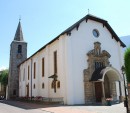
[127, 64]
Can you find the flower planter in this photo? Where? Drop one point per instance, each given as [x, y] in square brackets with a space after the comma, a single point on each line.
[109, 101]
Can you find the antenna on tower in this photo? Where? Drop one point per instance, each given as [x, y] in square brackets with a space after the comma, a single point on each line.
[19, 17]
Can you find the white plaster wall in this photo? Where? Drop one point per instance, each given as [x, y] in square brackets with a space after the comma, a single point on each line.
[28, 63]
[22, 82]
[117, 89]
[43, 92]
[62, 68]
[81, 42]
[47, 53]
[58, 46]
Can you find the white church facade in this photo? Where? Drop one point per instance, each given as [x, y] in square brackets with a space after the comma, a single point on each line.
[82, 65]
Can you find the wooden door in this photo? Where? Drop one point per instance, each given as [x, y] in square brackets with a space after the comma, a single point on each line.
[98, 91]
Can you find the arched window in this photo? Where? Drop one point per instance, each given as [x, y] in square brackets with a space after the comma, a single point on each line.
[34, 86]
[58, 84]
[19, 48]
[43, 85]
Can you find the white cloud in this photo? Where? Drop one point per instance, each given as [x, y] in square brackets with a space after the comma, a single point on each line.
[2, 68]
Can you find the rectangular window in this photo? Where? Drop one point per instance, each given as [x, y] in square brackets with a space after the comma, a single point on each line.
[24, 75]
[98, 65]
[55, 62]
[28, 72]
[34, 70]
[43, 66]
[19, 48]
[20, 75]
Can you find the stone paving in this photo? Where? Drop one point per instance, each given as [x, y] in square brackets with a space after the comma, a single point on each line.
[117, 108]
[22, 107]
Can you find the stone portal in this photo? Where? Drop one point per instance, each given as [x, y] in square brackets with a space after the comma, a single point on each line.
[100, 77]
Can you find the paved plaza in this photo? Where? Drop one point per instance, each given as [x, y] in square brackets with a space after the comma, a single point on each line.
[22, 107]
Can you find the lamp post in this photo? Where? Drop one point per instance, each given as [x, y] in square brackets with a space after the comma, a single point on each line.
[126, 100]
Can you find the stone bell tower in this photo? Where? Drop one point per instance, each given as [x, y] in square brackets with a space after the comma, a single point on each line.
[18, 53]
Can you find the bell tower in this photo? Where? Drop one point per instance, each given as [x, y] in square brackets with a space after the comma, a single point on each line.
[18, 53]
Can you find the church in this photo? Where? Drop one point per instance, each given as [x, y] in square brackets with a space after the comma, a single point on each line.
[82, 65]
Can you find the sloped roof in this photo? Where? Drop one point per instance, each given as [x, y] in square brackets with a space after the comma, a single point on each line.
[19, 34]
[91, 17]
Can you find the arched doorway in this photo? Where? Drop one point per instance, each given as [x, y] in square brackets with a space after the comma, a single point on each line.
[106, 83]
[111, 78]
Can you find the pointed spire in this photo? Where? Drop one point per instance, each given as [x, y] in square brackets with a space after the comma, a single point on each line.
[19, 34]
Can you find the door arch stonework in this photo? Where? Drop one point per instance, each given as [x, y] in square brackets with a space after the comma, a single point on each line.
[98, 67]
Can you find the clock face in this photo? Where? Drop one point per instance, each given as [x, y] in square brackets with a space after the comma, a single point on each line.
[95, 33]
[19, 55]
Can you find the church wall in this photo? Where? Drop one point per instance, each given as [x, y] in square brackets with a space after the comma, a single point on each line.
[47, 53]
[58, 46]
[63, 67]
[81, 42]
[35, 81]
[22, 82]
[43, 91]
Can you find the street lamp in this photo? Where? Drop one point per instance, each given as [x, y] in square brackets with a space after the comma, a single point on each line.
[126, 100]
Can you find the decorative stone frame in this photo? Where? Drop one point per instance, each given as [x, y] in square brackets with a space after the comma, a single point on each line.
[95, 55]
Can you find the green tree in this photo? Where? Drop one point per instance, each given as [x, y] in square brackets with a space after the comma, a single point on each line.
[127, 64]
[4, 78]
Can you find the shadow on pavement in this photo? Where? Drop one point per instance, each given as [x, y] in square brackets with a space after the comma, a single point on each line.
[26, 105]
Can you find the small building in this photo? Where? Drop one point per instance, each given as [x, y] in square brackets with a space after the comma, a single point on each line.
[82, 65]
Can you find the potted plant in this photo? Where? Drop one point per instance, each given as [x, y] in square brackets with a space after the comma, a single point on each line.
[109, 101]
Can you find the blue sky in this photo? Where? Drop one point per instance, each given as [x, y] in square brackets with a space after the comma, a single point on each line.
[43, 20]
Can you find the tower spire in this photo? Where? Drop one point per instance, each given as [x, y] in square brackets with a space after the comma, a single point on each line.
[19, 34]
[88, 11]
